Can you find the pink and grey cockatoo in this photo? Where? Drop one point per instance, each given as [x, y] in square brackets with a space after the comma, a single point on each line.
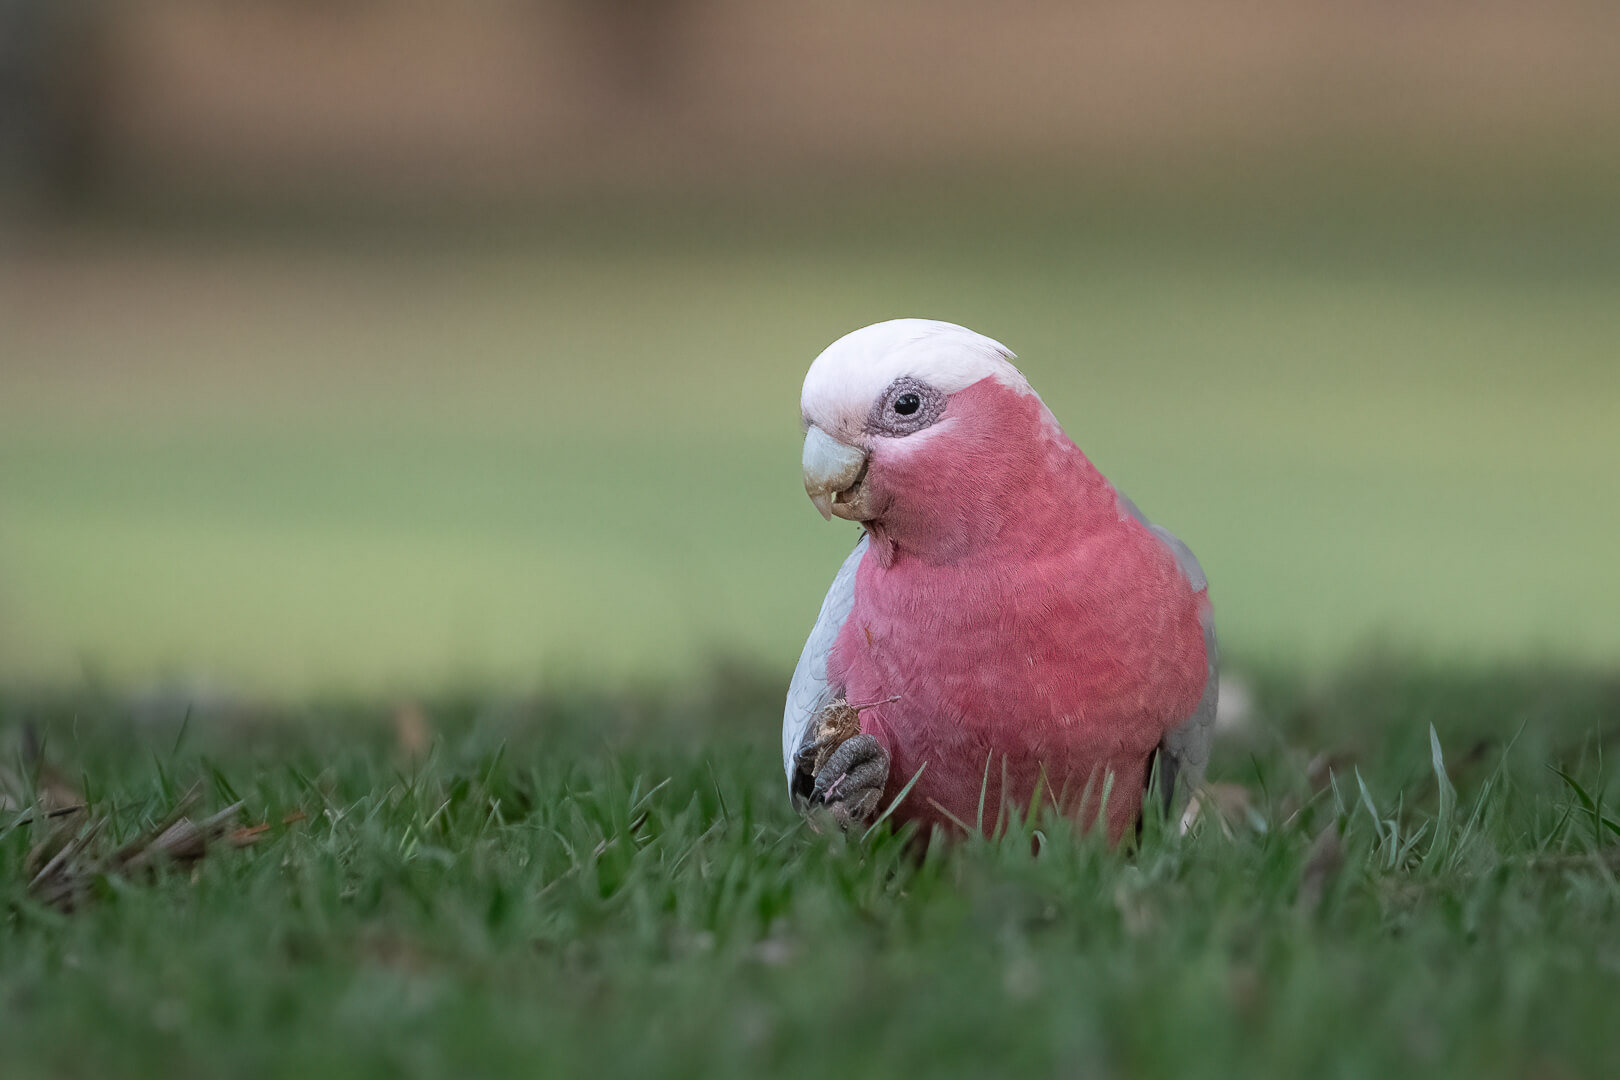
[1009, 627]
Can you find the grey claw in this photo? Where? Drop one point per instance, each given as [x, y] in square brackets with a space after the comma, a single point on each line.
[850, 785]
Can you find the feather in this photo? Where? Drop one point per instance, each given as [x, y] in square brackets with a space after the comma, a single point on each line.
[810, 690]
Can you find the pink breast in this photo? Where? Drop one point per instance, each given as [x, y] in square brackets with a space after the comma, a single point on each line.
[1043, 674]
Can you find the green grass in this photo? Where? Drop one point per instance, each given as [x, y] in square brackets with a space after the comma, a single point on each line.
[568, 454]
[615, 886]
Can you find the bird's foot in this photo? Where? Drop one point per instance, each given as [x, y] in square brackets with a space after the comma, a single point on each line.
[839, 768]
[851, 781]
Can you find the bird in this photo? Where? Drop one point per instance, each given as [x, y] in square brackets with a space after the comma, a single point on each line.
[1009, 628]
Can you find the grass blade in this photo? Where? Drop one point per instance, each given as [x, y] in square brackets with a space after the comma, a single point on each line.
[898, 799]
[1441, 844]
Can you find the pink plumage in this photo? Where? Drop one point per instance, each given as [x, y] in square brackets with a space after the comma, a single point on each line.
[1036, 636]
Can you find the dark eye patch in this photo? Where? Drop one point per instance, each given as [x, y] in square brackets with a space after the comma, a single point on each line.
[908, 405]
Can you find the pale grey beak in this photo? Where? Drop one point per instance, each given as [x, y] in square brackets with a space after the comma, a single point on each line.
[830, 468]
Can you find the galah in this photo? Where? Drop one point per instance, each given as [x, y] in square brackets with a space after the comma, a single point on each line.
[1009, 628]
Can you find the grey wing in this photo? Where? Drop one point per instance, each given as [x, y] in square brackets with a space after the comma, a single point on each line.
[810, 692]
[1184, 751]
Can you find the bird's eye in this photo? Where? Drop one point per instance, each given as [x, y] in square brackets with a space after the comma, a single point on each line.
[906, 405]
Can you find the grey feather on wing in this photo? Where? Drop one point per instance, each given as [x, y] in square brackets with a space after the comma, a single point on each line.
[810, 691]
[1186, 747]
[1184, 752]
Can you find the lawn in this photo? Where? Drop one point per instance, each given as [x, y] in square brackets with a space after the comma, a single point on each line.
[455, 577]
[615, 886]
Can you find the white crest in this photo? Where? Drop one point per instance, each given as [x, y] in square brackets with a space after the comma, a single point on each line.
[848, 376]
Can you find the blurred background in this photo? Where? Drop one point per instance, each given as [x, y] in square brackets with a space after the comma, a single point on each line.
[386, 343]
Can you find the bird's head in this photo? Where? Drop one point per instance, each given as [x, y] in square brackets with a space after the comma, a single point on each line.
[922, 431]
